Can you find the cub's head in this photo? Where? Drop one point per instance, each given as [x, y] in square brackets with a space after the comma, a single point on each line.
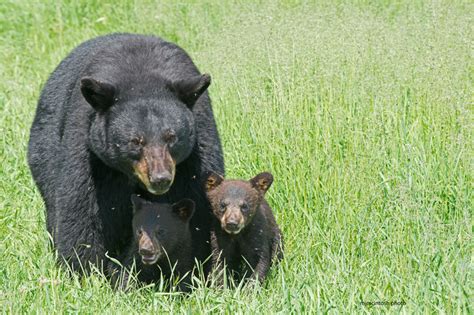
[160, 228]
[144, 128]
[234, 202]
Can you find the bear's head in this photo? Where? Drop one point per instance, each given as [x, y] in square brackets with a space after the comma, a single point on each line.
[144, 130]
[160, 228]
[235, 202]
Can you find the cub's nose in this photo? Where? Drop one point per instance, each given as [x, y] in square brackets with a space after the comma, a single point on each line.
[145, 244]
[146, 251]
[232, 226]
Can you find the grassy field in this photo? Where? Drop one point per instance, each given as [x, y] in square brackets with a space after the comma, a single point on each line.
[362, 110]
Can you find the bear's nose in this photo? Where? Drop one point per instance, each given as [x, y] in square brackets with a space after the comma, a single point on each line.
[146, 251]
[160, 181]
[145, 244]
[232, 225]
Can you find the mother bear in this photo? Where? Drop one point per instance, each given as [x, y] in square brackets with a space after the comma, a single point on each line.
[122, 114]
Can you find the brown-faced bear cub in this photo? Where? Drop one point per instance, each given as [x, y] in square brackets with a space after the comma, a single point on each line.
[245, 233]
[161, 245]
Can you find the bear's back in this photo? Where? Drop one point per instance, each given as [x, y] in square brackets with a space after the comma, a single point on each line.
[138, 56]
[116, 58]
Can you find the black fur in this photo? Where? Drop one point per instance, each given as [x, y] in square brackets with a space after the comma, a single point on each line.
[166, 228]
[88, 131]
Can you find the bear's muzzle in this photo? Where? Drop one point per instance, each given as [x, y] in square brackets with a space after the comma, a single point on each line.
[156, 169]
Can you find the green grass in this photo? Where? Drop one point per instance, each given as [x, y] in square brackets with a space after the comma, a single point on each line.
[362, 110]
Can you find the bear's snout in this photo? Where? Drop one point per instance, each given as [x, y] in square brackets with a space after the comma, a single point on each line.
[156, 169]
[147, 249]
[232, 226]
[161, 181]
[232, 221]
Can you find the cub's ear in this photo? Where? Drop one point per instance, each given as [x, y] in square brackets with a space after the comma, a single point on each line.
[137, 202]
[262, 181]
[184, 209]
[189, 90]
[212, 180]
[100, 95]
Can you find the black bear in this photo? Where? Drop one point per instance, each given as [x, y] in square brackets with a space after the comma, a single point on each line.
[161, 245]
[122, 114]
[244, 234]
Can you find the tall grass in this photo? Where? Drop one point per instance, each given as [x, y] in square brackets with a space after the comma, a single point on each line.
[362, 111]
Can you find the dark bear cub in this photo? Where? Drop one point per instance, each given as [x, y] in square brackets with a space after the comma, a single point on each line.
[245, 236]
[161, 245]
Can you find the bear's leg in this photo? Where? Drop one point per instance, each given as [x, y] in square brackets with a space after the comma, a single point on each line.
[223, 257]
[260, 262]
[79, 242]
[78, 232]
[217, 269]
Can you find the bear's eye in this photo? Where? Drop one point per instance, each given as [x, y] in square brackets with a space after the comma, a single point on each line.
[138, 141]
[222, 206]
[244, 207]
[170, 137]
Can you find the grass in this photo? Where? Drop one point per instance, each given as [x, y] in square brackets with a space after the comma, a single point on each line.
[362, 110]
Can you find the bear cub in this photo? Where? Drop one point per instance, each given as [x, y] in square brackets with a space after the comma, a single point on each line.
[161, 244]
[245, 236]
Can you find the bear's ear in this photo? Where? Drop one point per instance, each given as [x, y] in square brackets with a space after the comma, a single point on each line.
[136, 202]
[100, 95]
[189, 90]
[184, 209]
[212, 180]
[262, 182]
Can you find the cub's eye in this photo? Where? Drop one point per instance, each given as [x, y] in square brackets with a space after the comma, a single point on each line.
[222, 206]
[139, 233]
[137, 141]
[170, 137]
[244, 207]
